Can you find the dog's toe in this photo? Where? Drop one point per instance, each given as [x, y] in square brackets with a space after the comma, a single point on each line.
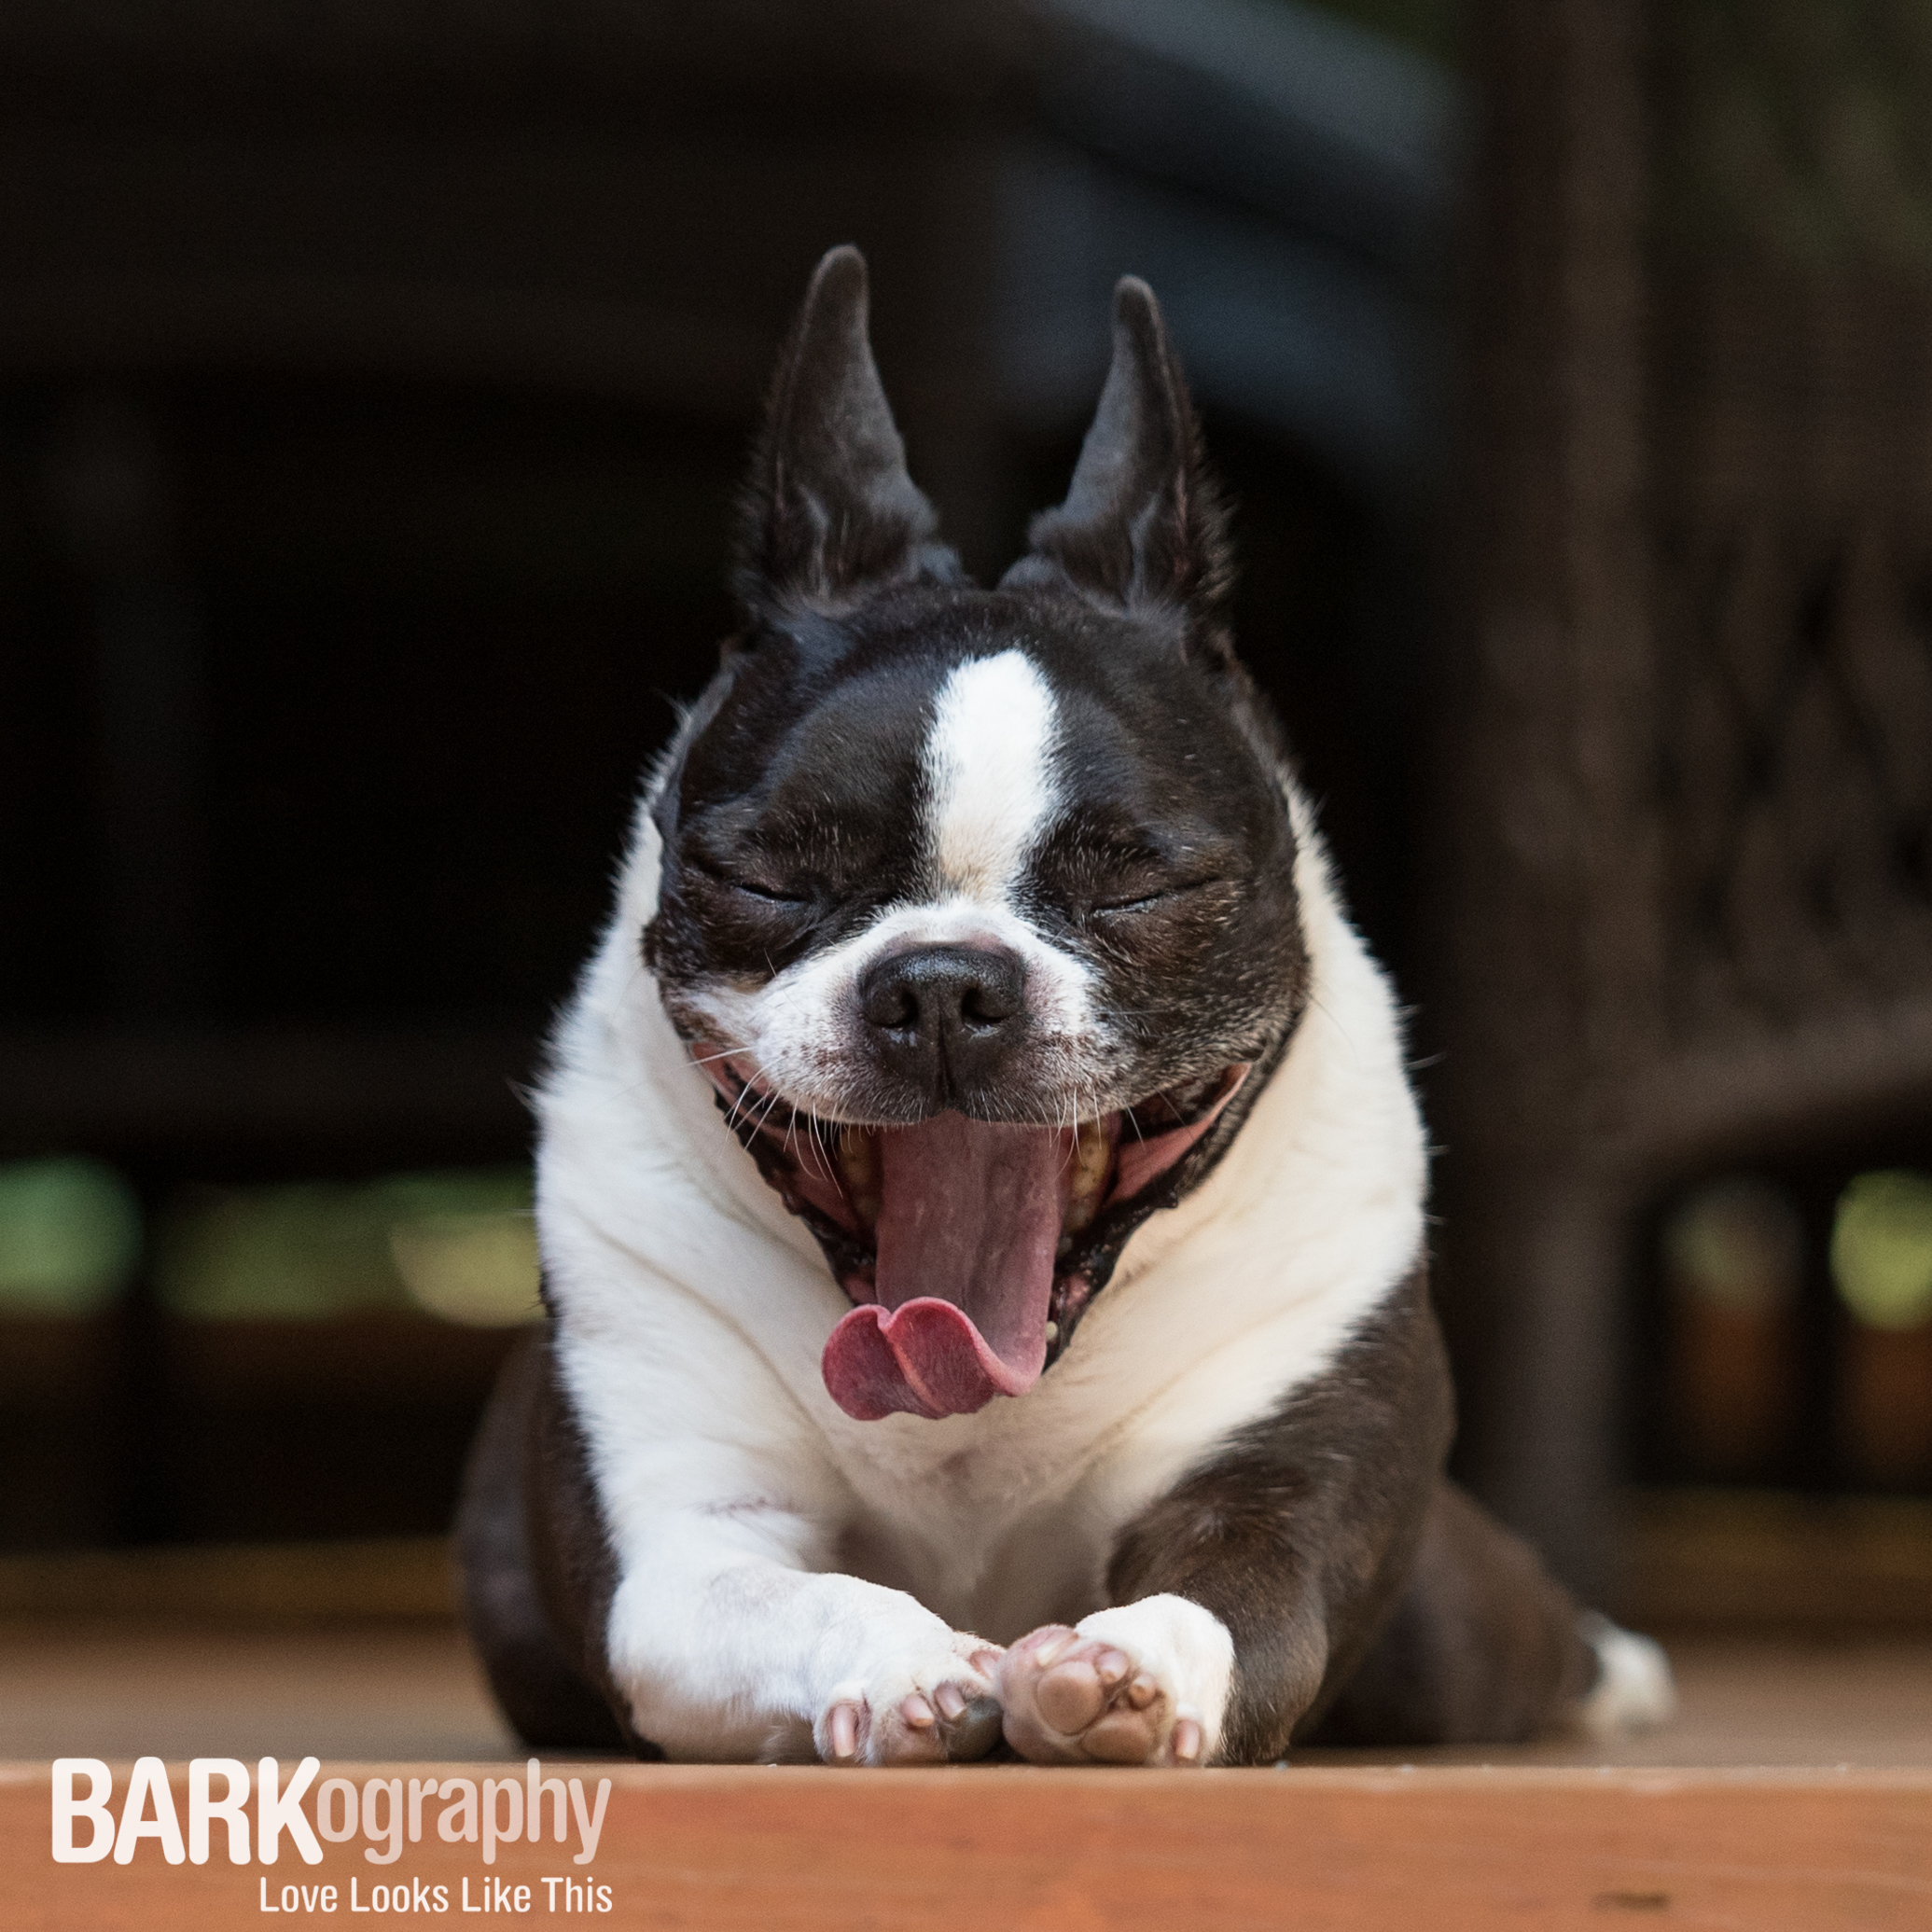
[1074, 1702]
[846, 1726]
[909, 1733]
[1070, 1696]
[937, 1709]
[1120, 1737]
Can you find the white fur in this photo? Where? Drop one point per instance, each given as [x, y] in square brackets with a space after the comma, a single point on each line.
[1634, 1689]
[991, 791]
[779, 1645]
[988, 769]
[1186, 1649]
[694, 1309]
[802, 1029]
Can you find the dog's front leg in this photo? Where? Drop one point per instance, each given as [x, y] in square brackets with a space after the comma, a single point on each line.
[1245, 1596]
[725, 1653]
[1215, 1666]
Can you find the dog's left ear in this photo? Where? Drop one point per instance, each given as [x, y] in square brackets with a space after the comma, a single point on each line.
[1143, 529]
[829, 511]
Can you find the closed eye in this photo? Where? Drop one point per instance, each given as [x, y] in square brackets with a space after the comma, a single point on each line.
[768, 894]
[1142, 902]
[765, 893]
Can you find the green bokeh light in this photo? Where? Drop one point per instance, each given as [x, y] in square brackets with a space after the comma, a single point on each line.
[462, 1245]
[1881, 1248]
[70, 1236]
[1737, 1245]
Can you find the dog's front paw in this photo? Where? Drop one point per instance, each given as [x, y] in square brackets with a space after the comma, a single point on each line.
[936, 1708]
[1144, 1683]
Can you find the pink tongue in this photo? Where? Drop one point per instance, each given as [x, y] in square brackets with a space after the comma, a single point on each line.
[968, 1221]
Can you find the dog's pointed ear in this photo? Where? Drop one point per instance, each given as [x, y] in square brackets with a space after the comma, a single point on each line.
[830, 512]
[1143, 527]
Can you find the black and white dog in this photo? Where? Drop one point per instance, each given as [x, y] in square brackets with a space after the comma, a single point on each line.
[981, 1195]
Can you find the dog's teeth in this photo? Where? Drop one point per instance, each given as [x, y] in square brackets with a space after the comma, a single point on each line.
[858, 1161]
[1053, 1331]
[1093, 1154]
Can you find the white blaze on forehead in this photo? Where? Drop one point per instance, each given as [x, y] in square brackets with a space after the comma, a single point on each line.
[989, 766]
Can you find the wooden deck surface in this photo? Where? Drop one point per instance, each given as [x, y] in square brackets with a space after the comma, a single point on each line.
[1445, 1850]
[109, 1691]
[1739, 1817]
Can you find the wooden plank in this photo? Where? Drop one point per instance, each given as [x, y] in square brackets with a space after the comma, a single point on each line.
[216, 1589]
[1745, 1560]
[1015, 1849]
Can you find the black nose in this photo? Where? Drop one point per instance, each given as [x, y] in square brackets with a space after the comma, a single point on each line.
[945, 1017]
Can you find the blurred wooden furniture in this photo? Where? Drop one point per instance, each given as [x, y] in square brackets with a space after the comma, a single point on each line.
[1734, 1562]
[1686, 763]
[567, 207]
[374, 380]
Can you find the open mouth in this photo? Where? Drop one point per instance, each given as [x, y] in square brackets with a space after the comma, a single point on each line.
[970, 1248]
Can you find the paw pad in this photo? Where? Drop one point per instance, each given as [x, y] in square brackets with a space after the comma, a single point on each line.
[1075, 1700]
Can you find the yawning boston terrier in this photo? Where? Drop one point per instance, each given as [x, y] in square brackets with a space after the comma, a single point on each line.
[980, 1197]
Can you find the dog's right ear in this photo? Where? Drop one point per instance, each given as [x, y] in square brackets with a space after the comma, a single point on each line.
[1143, 529]
[829, 512]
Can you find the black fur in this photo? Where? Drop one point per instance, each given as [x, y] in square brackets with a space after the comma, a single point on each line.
[1367, 1600]
[1370, 1602]
[830, 513]
[1143, 528]
[785, 815]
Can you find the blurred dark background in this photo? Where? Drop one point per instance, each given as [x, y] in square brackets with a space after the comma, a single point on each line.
[374, 384]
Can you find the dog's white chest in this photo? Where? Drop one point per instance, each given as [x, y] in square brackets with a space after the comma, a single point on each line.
[967, 1554]
[694, 1312]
